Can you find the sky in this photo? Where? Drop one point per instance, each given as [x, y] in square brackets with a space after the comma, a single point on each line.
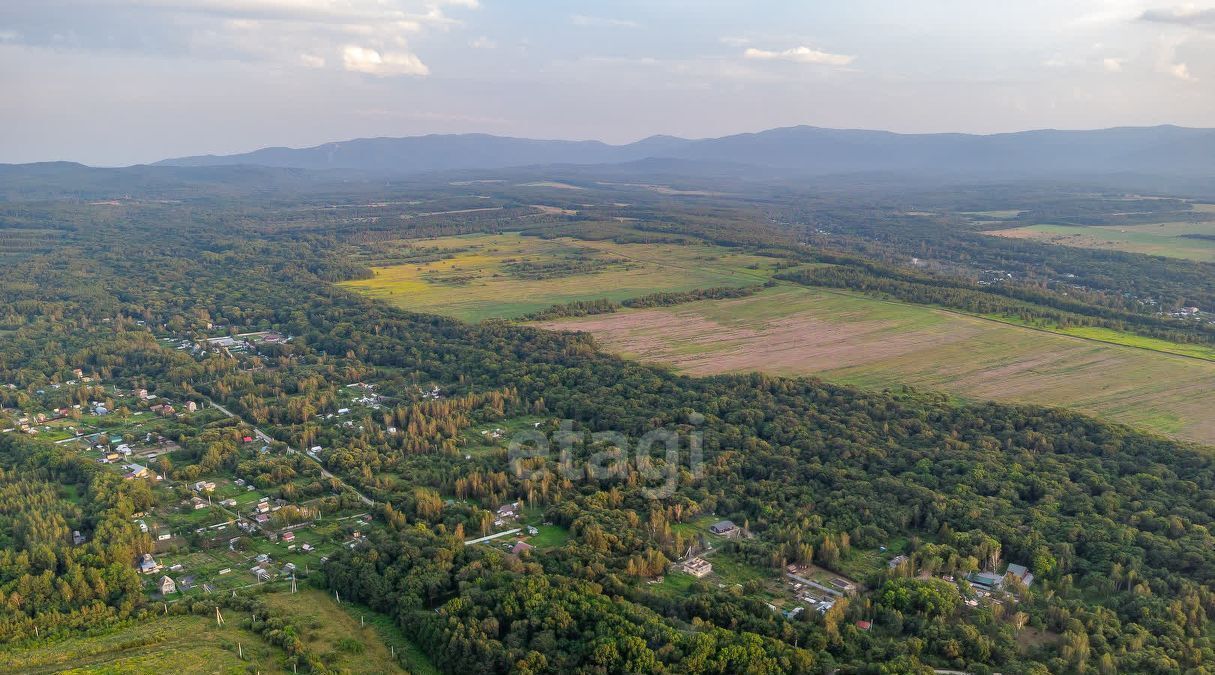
[117, 82]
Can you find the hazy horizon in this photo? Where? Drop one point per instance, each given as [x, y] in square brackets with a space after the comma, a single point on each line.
[121, 82]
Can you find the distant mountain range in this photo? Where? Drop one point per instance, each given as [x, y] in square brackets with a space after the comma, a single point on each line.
[803, 149]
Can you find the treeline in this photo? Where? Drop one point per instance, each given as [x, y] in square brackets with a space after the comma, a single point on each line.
[565, 266]
[592, 307]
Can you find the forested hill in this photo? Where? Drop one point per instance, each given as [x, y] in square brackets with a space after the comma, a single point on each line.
[1116, 525]
[1142, 150]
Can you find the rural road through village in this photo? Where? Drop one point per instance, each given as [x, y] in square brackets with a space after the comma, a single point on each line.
[265, 438]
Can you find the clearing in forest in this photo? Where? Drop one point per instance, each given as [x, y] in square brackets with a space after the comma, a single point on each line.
[481, 276]
[849, 338]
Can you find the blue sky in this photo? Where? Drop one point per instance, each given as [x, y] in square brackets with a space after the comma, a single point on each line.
[122, 81]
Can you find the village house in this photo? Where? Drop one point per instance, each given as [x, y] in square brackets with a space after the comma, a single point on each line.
[508, 510]
[521, 547]
[988, 581]
[136, 471]
[1020, 573]
[167, 586]
[697, 567]
[288, 537]
[724, 528]
[148, 564]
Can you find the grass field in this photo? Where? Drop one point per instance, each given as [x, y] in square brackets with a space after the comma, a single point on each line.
[194, 644]
[473, 282]
[174, 644]
[1128, 339]
[551, 536]
[334, 632]
[858, 340]
[1163, 239]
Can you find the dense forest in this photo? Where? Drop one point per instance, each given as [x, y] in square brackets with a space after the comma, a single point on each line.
[1116, 525]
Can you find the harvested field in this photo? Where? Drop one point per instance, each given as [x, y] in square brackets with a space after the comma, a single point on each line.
[859, 340]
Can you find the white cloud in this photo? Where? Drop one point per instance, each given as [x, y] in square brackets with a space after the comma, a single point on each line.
[1181, 71]
[1185, 15]
[287, 33]
[1112, 65]
[799, 55]
[584, 20]
[483, 43]
[1167, 61]
[370, 61]
[735, 41]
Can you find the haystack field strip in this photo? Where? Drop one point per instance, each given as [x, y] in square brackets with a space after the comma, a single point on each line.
[488, 291]
[872, 343]
[1162, 239]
